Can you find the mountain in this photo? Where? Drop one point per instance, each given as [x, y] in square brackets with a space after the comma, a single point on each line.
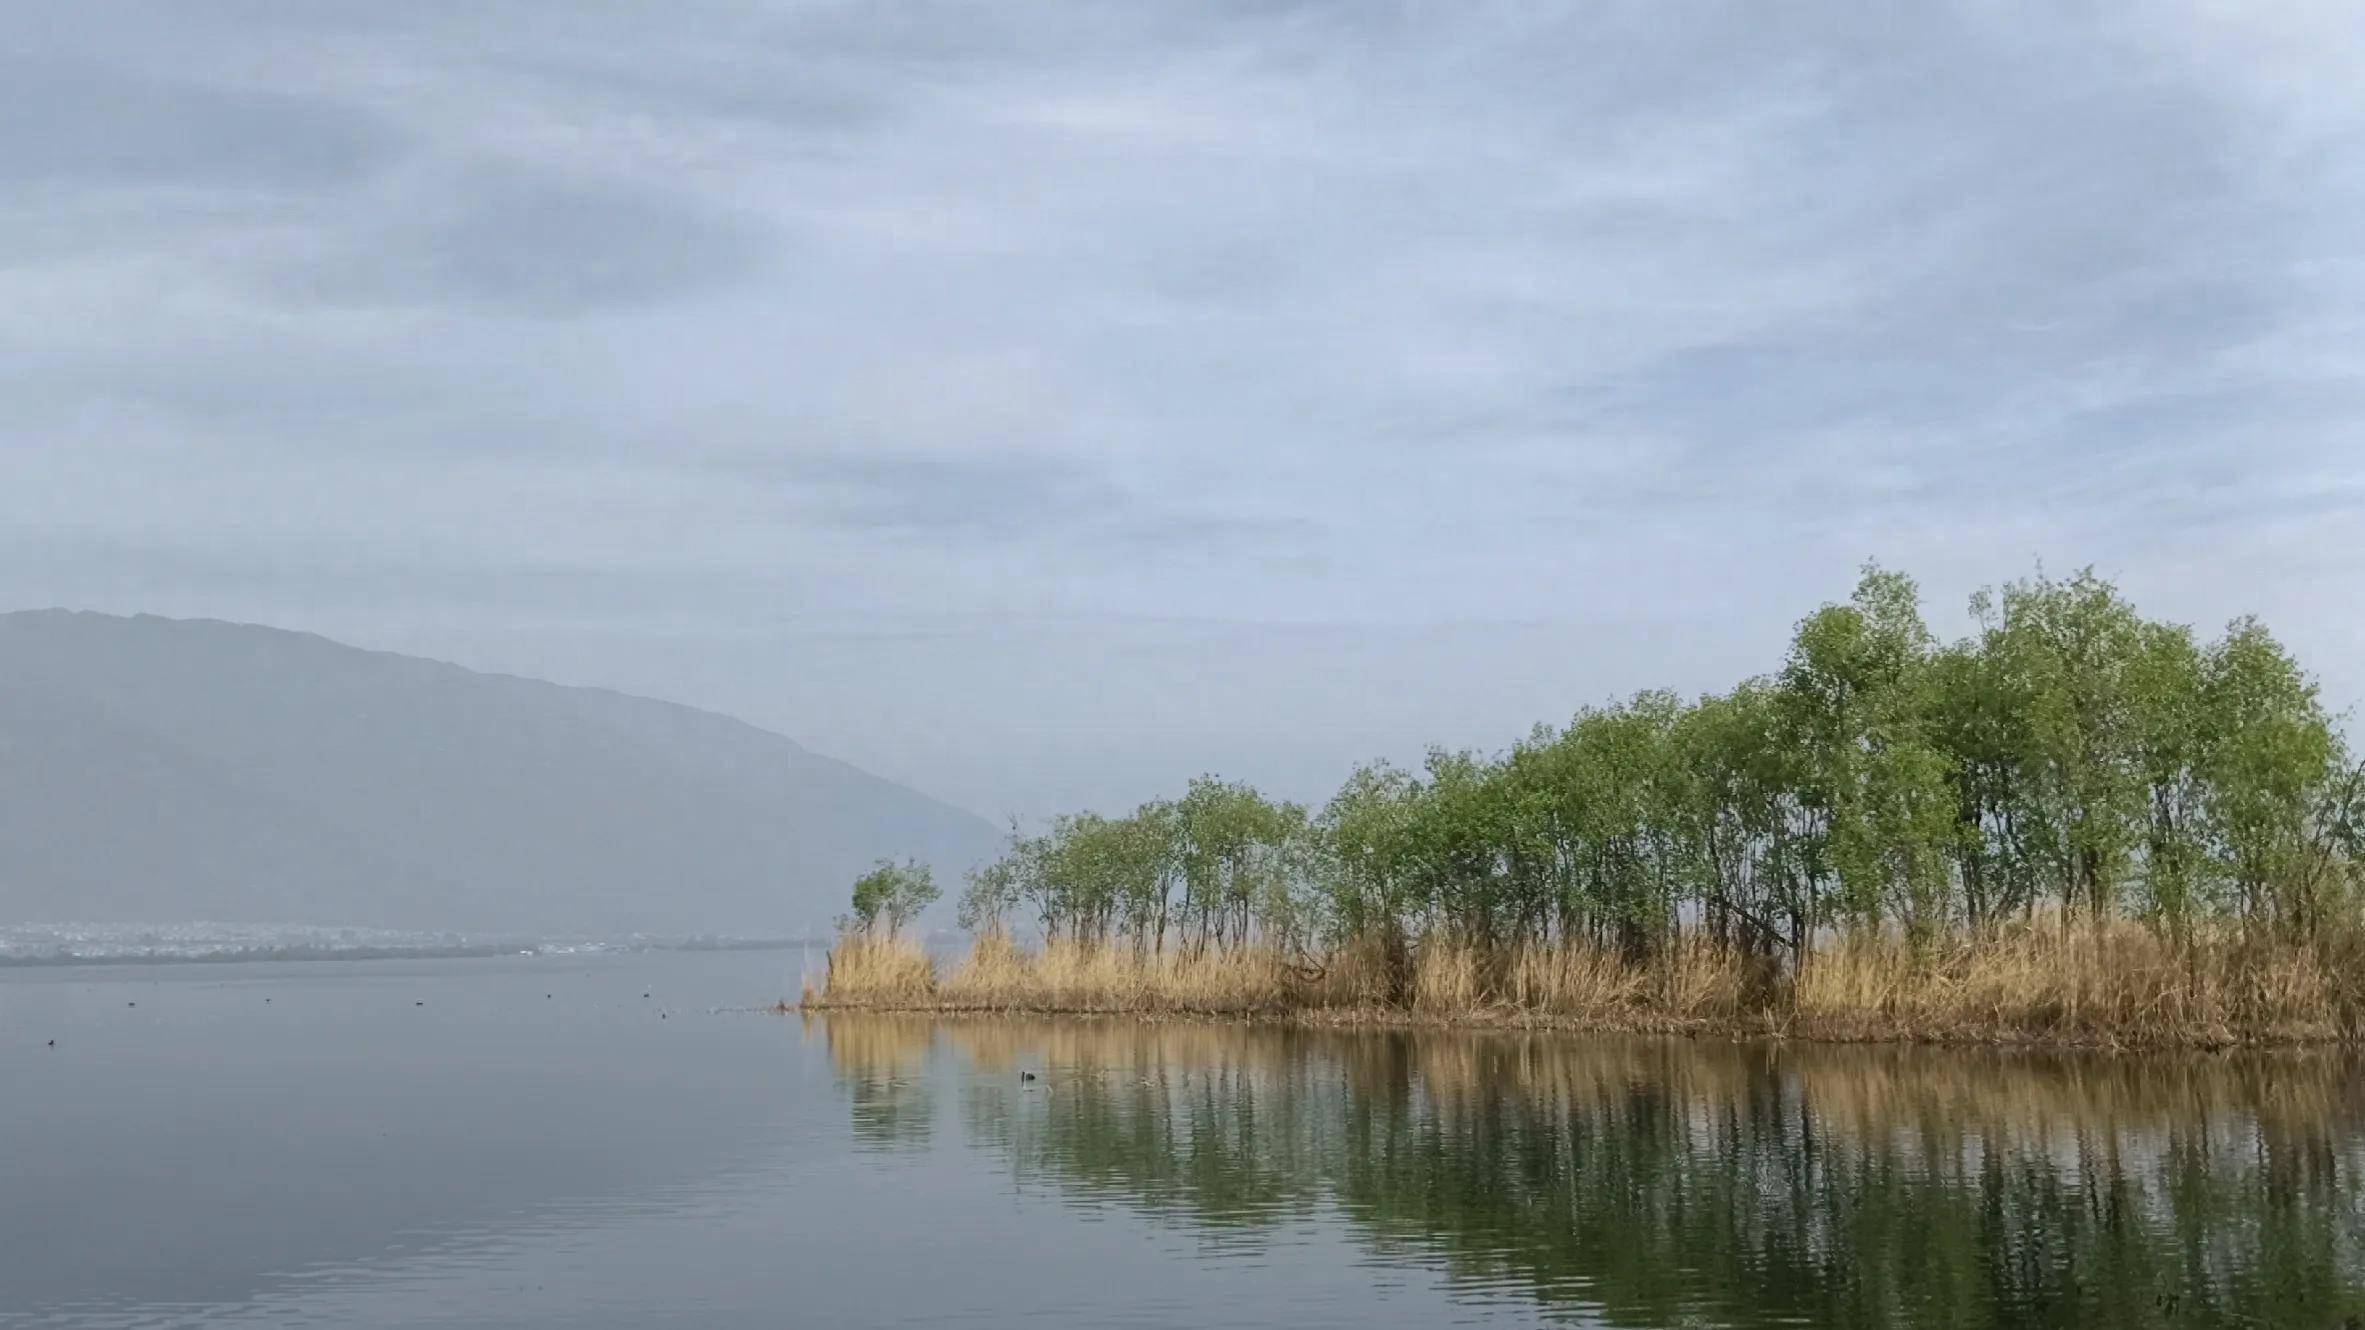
[163, 769]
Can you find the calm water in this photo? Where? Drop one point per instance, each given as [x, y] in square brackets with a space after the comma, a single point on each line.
[302, 1144]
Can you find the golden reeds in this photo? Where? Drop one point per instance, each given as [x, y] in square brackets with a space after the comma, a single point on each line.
[2109, 983]
[871, 970]
[1064, 976]
[2112, 983]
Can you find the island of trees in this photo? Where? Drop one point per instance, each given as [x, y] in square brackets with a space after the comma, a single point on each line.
[2075, 824]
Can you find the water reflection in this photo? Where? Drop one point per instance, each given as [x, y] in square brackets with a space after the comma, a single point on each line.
[1666, 1183]
[882, 1063]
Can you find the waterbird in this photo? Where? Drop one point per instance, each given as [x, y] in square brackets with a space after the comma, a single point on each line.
[418, 1004]
[1026, 1075]
[53, 1043]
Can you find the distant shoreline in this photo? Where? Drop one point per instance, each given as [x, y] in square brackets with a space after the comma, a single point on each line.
[300, 955]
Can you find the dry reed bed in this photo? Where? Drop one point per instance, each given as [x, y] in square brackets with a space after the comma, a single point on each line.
[2115, 984]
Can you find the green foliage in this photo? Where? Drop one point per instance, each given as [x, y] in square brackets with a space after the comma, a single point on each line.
[893, 894]
[2068, 752]
[2263, 759]
[1207, 869]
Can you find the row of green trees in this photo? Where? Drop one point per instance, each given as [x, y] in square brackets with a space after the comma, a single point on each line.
[2069, 753]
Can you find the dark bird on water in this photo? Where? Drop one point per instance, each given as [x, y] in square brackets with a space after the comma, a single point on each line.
[418, 1004]
[53, 1043]
[1026, 1075]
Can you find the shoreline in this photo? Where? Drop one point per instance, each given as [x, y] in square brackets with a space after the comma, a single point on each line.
[1769, 1030]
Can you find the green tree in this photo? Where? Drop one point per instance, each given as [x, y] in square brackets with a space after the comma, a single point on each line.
[1879, 783]
[1738, 810]
[893, 894]
[1883, 813]
[1365, 880]
[1233, 846]
[2068, 657]
[2269, 758]
[2171, 730]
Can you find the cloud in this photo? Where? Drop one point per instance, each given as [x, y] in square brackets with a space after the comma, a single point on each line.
[965, 499]
[1635, 325]
[942, 496]
[68, 122]
[511, 241]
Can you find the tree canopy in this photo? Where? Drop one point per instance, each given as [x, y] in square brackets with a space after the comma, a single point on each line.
[892, 894]
[2069, 754]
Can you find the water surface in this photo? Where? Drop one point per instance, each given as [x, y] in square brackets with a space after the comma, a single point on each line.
[620, 1141]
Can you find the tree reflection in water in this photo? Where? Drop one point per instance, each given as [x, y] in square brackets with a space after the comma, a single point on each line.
[1669, 1182]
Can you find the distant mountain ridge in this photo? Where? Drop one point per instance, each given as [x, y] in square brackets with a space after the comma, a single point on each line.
[159, 769]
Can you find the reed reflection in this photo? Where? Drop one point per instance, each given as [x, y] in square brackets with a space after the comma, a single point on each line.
[1668, 1182]
[882, 1063]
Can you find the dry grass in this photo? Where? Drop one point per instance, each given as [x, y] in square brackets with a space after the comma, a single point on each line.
[1691, 986]
[867, 970]
[1359, 976]
[997, 975]
[889, 974]
[1450, 978]
[2113, 984]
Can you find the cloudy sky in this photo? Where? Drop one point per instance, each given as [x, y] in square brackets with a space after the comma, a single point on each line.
[1042, 403]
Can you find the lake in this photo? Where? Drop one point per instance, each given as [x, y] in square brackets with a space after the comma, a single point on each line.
[623, 1141]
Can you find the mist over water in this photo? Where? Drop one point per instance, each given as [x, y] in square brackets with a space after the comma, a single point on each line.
[623, 1140]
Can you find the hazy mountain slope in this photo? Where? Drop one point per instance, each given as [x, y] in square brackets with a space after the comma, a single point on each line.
[157, 769]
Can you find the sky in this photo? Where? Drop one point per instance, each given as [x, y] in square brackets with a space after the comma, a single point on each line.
[1040, 404]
